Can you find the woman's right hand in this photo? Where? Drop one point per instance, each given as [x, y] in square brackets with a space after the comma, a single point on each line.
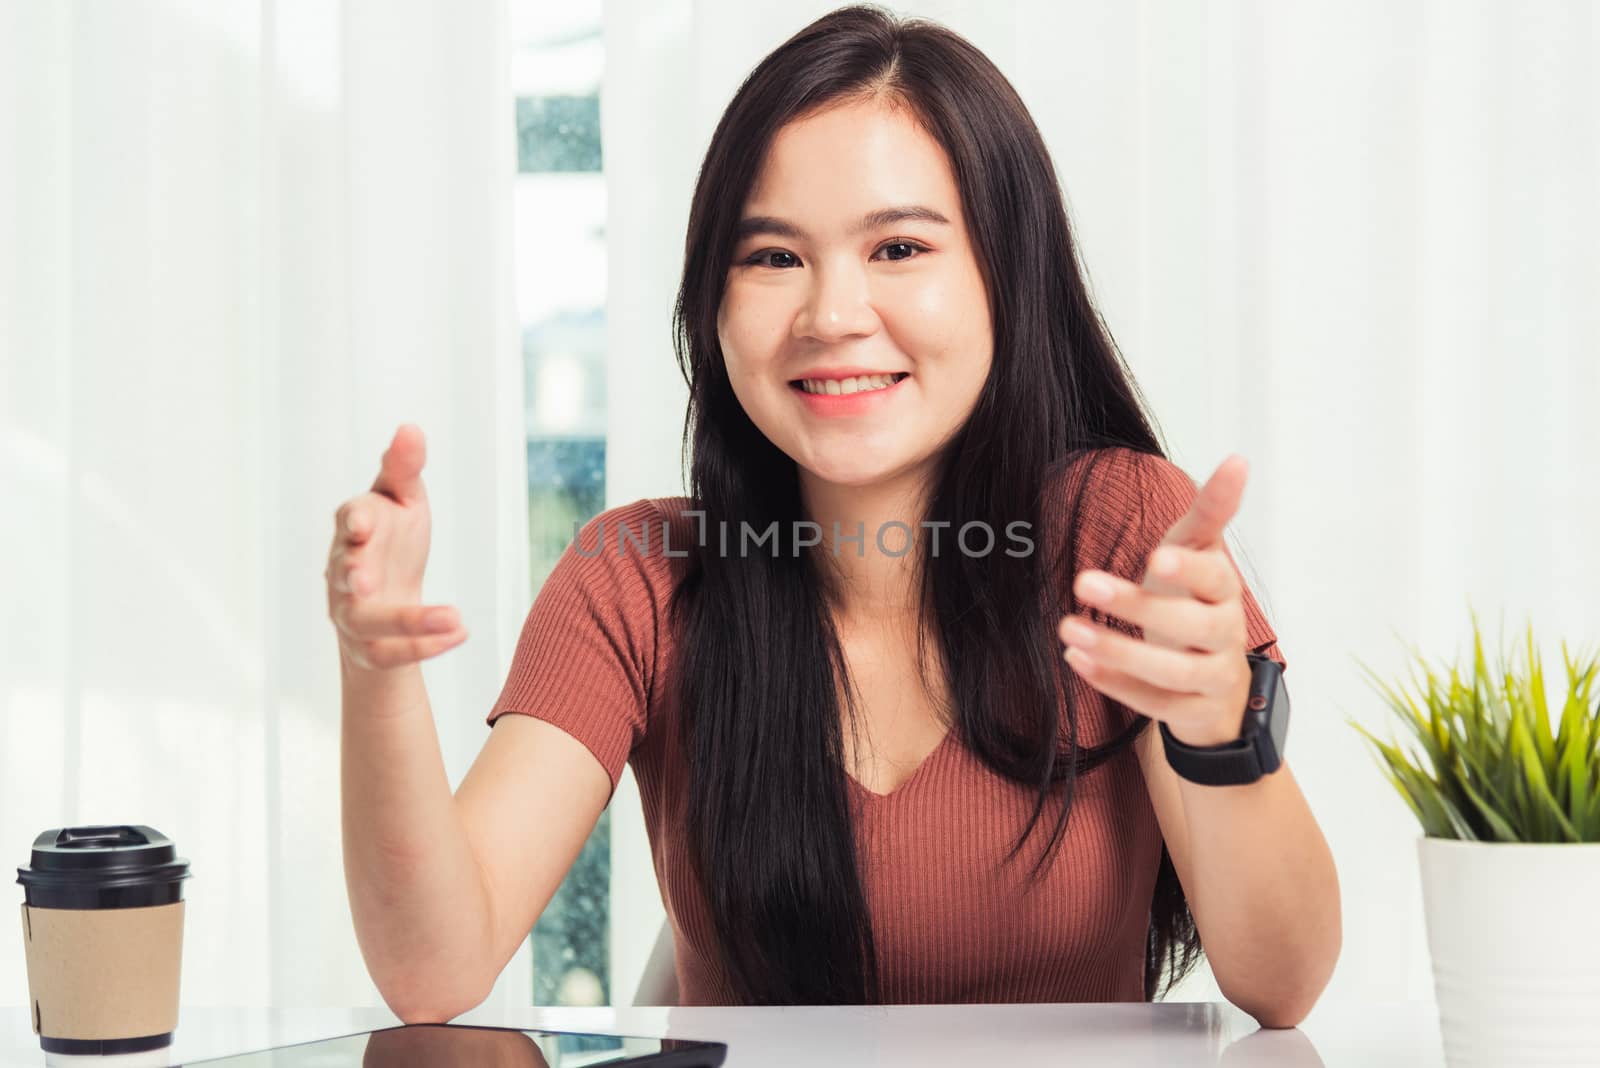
[374, 573]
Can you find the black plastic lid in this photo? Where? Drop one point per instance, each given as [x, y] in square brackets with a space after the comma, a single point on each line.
[117, 866]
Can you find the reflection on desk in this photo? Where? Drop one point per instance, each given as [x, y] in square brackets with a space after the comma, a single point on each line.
[434, 1045]
[928, 1036]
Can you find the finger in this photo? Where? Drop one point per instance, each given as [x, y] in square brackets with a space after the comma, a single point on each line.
[1179, 671]
[354, 522]
[1206, 574]
[359, 521]
[400, 476]
[1177, 709]
[1175, 620]
[345, 575]
[397, 652]
[1213, 506]
[366, 621]
[339, 564]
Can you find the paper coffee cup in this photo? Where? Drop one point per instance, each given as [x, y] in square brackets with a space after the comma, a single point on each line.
[102, 922]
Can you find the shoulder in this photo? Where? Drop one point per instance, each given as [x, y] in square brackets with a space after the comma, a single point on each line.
[629, 556]
[1115, 476]
[588, 655]
[641, 533]
[1114, 499]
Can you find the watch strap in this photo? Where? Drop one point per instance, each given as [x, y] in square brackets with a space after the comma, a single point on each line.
[1231, 764]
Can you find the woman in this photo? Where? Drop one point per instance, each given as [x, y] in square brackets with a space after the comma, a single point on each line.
[869, 773]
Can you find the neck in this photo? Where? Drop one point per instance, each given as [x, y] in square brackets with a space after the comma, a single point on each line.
[869, 584]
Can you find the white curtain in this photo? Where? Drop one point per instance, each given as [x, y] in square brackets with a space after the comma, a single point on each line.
[1354, 240]
[240, 242]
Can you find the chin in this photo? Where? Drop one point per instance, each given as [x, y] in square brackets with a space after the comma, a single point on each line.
[851, 471]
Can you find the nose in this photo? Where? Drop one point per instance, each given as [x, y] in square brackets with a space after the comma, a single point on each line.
[838, 306]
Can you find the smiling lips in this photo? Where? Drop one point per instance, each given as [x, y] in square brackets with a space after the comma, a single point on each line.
[848, 385]
[854, 395]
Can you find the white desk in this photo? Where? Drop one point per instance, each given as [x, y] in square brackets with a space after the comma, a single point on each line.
[927, 1036]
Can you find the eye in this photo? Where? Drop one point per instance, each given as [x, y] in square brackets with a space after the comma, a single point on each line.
[912, 245]
[760, 259]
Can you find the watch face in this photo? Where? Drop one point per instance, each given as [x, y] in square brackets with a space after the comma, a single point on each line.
[1278, 722]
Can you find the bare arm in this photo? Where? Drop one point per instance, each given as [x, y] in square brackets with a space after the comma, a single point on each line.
[442, 888]
[445, 890]
[1260, 881]
[417, 895]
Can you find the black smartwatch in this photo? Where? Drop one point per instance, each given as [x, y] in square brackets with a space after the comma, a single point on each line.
[1257, 751]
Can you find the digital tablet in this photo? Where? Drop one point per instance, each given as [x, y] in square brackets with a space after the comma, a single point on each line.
[463, 1046]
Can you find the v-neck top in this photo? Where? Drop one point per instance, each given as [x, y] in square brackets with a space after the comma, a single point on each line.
[951, 920]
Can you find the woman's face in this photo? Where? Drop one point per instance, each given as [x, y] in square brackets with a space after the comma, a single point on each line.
[815, 299]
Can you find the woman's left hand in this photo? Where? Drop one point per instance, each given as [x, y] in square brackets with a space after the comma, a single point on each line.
[1190, 669]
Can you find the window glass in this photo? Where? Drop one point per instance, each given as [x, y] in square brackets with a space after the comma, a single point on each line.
[561, 277]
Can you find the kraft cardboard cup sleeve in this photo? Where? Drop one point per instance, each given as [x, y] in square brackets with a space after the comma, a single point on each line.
[102, 923]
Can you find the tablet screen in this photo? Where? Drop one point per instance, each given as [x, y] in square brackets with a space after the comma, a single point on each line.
[439, 1045]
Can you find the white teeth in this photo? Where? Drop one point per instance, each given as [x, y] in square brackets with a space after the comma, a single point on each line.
[836, 386]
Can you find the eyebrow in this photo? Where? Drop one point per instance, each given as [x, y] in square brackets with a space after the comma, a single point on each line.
[767, 224]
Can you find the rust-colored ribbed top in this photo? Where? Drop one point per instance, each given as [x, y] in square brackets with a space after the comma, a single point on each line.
[951, 921]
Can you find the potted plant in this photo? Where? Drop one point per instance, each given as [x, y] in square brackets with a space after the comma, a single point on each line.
[1509, 853]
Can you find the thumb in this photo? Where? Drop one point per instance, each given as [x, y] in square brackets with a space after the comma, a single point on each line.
[1213, 507]
[400, 476]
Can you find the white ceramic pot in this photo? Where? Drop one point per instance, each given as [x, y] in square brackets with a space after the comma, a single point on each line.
[1514, 931]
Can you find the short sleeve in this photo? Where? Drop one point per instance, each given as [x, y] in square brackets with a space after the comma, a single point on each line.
[1147, 494]
[585, 659]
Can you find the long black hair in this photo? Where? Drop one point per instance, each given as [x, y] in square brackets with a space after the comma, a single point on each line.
[768, 821]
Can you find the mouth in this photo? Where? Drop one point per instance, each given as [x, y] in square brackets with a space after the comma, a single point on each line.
[840, 387]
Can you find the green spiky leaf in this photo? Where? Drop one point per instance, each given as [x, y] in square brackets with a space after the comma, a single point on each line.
[1489, 758]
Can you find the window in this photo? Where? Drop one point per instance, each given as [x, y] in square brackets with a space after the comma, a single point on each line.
[561, 278]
